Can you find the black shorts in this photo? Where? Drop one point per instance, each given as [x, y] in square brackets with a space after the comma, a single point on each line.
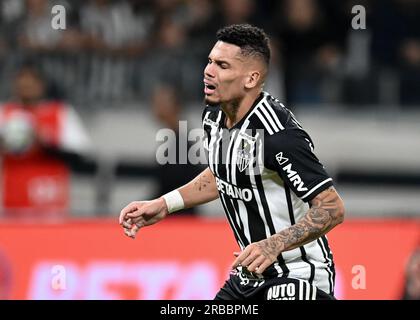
[243, 285]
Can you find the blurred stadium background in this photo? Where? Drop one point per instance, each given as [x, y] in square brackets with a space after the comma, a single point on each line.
[129, 68]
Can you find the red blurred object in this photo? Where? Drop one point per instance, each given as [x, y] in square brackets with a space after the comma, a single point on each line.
[33, 180]
[183, 258]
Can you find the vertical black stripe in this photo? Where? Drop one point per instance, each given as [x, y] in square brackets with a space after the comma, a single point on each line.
[327, 268]
[255, 222]
[289, 205]
[310, 290]
[261, 117]
[330, 255]
[221, 168]
[232, 140]
[230, 211]
[216, 147]
[213, 146]
[292, 220]
[238, 240]
[305, 290]
[211, 151]
[236, 207]
[267, 214]
[269, 117]
[260, 190]
[221, 159]
[272, 113]
[217, 144]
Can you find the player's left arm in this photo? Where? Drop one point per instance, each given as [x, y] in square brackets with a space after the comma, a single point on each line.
[291, 154]
[326, 212]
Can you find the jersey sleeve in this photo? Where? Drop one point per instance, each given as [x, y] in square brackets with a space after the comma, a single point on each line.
[290, 153]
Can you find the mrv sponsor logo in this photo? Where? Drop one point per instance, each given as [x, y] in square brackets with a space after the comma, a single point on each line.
[294, 178]
[291, 174]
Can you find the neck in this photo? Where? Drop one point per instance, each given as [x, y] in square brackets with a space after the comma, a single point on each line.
[235, 110]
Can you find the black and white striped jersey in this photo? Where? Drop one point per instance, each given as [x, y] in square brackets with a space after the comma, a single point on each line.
[266, 173]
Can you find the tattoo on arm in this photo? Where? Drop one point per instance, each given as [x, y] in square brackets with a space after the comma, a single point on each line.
[202, 182]
[326, 212]
[269, 248]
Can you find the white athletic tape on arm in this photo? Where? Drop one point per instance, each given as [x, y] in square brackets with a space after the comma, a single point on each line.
[174, 201]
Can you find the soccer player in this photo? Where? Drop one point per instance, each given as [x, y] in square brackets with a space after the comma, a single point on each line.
[277, 197]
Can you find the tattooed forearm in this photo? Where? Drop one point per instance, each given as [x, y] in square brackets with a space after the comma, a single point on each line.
[202, 182]
[268, 248]
[326, 212]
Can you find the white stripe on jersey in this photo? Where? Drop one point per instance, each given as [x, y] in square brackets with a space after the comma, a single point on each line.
[316, 187]
[235, 150]
[241, 244]
[212, 140]
[266, 125]
[261, 161]
[208, 142]
[242, 129]
[300, 289]
[313, 292]
[273, 185]
[215, 143]
[228, 158]
[275, 117]
[244, 217]
[243, 214]
[269, 117]
[257, 194]
[329, 262]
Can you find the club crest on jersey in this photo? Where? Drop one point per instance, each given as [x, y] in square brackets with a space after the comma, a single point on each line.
[244, 156]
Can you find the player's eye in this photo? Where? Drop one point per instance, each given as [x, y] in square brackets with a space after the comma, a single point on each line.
[223, 65]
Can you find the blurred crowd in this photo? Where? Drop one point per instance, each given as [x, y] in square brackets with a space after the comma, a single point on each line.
[152, 53]
[117, 50]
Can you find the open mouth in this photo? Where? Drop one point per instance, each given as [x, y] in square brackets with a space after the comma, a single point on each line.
[209, 88]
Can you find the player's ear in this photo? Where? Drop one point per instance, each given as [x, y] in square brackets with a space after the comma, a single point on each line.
[252, 79]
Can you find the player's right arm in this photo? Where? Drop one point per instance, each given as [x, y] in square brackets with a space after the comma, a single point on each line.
[138, 214]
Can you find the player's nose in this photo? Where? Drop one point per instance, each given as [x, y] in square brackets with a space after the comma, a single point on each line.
[209, 70]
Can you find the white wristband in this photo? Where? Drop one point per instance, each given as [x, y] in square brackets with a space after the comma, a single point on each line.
[174, 201]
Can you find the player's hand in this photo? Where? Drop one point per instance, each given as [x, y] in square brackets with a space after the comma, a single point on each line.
[140, 214]
[257, 256]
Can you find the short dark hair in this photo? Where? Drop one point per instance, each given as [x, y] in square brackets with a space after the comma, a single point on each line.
[252, 40]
